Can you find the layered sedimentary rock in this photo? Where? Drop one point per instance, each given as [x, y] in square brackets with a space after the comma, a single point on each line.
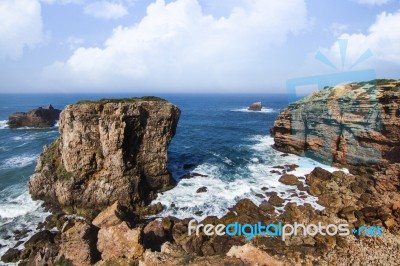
[110, 150]
[353, 124]
[39, 117]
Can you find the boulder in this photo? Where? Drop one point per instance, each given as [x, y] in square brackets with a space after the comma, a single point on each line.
[120, 241]
[287, 179]
[78, 244]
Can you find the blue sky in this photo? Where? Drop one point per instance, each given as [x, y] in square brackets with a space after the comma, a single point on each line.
[145, 46]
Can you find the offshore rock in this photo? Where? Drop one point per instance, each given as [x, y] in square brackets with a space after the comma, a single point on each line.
[108, 151]
[39, 117]
[257, 106]
[353, 124]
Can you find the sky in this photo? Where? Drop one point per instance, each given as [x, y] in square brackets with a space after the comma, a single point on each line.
[145, 46]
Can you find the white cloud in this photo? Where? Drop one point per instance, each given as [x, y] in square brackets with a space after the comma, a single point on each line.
[382, 38]
[73, 42]
[62, 2]
[20, 26]
[106, 10]
[338, 28]
[373, 2]
[177, 46]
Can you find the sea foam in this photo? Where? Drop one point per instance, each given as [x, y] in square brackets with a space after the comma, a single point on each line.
[225, 191]
[246, 110]
[3, 124]
[19, 161]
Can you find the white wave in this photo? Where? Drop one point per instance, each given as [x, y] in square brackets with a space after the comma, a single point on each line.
[19, 212]
[222, 194]
[18, 161]
[246, 110]
[3, 124]
[57, 123]
[19, 206]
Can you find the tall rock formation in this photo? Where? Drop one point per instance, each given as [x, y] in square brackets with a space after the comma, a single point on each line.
[110, 150]
[353, 124]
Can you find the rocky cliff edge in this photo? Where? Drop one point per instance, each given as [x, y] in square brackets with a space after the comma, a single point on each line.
[109, 150]
[352, 124]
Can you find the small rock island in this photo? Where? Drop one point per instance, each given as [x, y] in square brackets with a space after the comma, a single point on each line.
[256, 106]
[39, 117]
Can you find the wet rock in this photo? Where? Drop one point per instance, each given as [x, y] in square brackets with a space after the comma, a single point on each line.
[275, 200]
[261, 196]
[275, 172]
[19, 234]
[267, 207]
[11, 255]
[201, 190]
[289, 180]
[192, 175]
[187, 166]
[291, 167]
[42, 248]
[198, 213]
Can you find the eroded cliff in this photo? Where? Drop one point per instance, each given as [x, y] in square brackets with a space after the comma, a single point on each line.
[109, 150]
[353, 124]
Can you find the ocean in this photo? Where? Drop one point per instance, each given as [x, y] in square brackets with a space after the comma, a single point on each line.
[216, 137]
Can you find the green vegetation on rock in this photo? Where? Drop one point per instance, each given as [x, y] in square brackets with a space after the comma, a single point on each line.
[123, 100]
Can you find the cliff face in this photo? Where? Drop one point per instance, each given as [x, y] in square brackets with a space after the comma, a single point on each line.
[353, 124]
[108, 151]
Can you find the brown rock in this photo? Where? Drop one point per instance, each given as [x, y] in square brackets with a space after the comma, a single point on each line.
[253, 256]
[154, 235]
[257, 106]
[291, 180]
[120, 241]
[275, 200]
[108, 217]
[39, 117]
[78, 244]
[110, 150]
[339, 125]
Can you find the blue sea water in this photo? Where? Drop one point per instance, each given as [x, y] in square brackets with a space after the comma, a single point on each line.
[217, 137]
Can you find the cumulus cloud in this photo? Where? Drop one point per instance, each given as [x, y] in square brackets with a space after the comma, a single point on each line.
[62, 2]
[382, 39]
[373, 2]
[176, 45]
[106, 10]
[20, 26]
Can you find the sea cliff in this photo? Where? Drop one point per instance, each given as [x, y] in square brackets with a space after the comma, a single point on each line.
[352, 124]
[109, 150]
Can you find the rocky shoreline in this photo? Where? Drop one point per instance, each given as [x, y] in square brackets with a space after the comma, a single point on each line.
[120, 232]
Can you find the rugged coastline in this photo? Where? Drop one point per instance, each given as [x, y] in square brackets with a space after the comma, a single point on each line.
[117, 233]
